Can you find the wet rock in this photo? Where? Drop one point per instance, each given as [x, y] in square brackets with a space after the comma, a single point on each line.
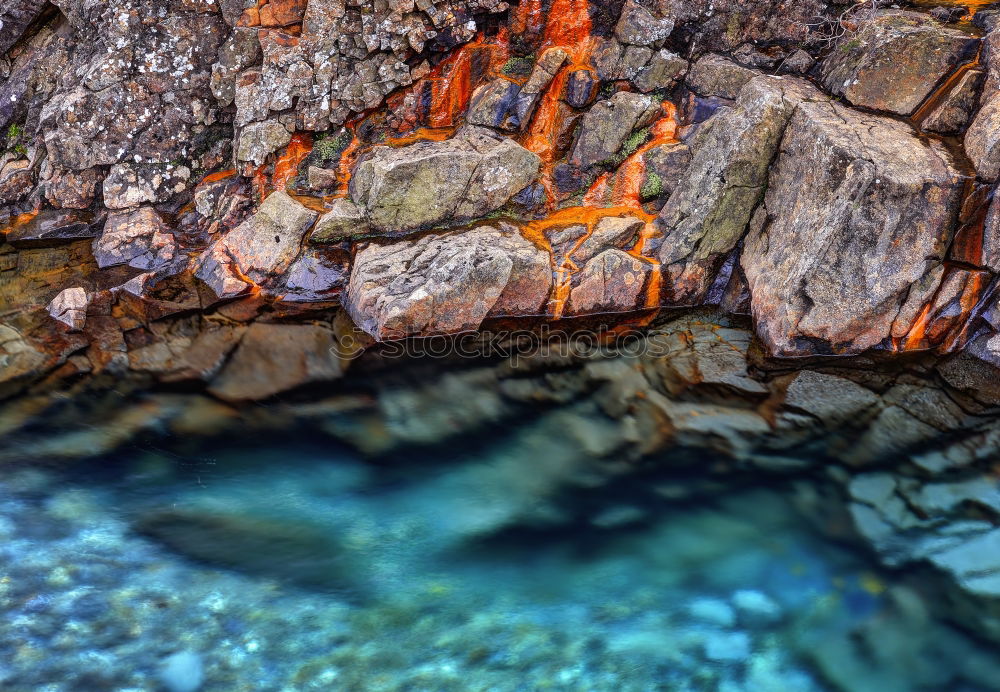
[182, 672]
[637, 26]
[610, 232]
[828, 398]
[581, 88]
[52, 227]
[70, 308]
[663, 71]
[668, 163]
[948, 15]
[260, 140]
[714, 75]
[318, 275]
[710, 207]
[613, 281]
[975, 563]
[894, 62]
[955, 112]
[18, 357]
[273, 358]
[427, 183]
[494, 105]
[140, 239]
[608, 124]
[322, 179]
[258, 250]
[184, 351]
[982, 141]
[129, 185]
[343, 220]
[755, 608]
[541, 76]
[858, 217]
[446, 283]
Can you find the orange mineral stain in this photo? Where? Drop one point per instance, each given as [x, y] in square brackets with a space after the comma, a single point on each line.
[287, 165]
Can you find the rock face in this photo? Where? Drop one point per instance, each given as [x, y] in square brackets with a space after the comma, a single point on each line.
[427, 183]
[710, 207]
[894, 61]
[444, 284]
[854, 228]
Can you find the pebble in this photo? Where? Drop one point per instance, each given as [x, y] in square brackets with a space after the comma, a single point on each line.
[712, 610]
[727, 646]
[183, 672]
[756, 608]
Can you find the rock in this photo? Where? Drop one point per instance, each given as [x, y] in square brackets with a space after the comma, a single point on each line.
[443, 284]
[988, 20]
[669, 163]
[73, 189]
[581, 87]
[129, 185]
[955, 112]
[51, 227]
[714, 75]
[318, 275]
[70, 308]
[16, 181]
[274, 358]
[140, 239]
[610, 232]
[495, 105]
[663, 71]
[991, 236]
[613, 281]
[427, 183]
[750, 56]
[18, 357]
[712, 203]
[756, 609]
[859, 214]
[322, 178]
[258, 250]
[799, 62]
[727, 646]
[637, 26]
[343, 220]
[714, 611]
[608, 124]
[949, 15]
[182, 672]
[982, 140]
[260, 140]
[975, 563]
[894, 62]
[828, 398]
[615, 61]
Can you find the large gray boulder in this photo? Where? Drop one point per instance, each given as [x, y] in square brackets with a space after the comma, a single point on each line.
[445, 284]
[429, 183]
[849, 247]
[895, 61]
[708, 212]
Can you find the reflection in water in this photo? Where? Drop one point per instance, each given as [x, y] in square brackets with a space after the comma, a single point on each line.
[298, 567]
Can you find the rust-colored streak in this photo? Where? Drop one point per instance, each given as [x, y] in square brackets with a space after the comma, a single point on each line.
[19, 221]
[216, 177]
[938, 96]
[423, 134]
[630, 175]
[287, 165]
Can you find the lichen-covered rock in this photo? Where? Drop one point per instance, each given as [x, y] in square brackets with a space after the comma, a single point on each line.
[444, 284]
[894, 62]
[608, 124]
[712, 204]
[140, 239]
[129, 185]
[427, 183]
[260, 140]
[259, 250]
[858, 215]
[663, 71]
[637, 26]
[343, 220]
[613, 281]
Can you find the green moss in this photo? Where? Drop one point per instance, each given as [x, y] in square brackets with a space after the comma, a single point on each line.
[329, 146]
[15, 143]
[632, 144]
[652, 187]
[518, 66]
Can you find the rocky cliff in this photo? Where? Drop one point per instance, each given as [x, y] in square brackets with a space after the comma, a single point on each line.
[193, 167]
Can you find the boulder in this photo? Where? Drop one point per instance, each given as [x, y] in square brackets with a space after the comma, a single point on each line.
[343, 220]
[443, 284]
[637, 26]
[982, 140]
[713, 202]
[140, 239]
[613, 281]
[428, 183]
[259, 140]
[129, 185]
[70, 308]
[714, 75]
[259, 250]
[858, 215]
[663, 71]
[607, 125]
[894, 62]
[953, 114]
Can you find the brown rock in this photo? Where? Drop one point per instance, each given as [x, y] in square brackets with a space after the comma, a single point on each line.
[982, 141]
[140, 239]
[73, 189]
[70, 308]
[954, 113]
[613, 281]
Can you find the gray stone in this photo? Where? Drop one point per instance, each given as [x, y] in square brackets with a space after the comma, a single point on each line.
[613, 281]
[982, 140]
[260, 140]
[954, 113]
[714, 75]
[663, 71]
[608, 124]
[343, 220]
[637, 26]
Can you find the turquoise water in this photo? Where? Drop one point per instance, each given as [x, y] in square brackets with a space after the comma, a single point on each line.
[289, 565]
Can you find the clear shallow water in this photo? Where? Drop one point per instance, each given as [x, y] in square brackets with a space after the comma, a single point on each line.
[290, 566]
